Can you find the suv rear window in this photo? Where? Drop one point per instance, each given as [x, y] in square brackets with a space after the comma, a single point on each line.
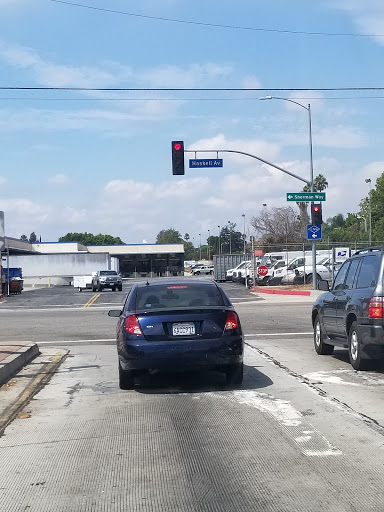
[369, 271]
[175, 296]
[108, 273]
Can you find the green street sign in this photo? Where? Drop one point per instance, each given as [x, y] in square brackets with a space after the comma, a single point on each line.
[305, 197]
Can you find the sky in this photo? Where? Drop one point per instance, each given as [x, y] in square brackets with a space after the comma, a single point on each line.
[100, 161]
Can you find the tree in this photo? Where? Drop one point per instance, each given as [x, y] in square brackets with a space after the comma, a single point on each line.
[187, 237]
[24, 238]
[277, 227]
[169, 236]
[231, 240]
[32, 238]
[90, 239]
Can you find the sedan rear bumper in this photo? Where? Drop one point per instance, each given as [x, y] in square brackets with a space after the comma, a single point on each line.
[181, 355]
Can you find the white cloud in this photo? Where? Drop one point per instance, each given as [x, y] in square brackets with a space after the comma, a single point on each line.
[190, 76]
[341, 137]
[257, 147]
[368, 15]
[59, 179]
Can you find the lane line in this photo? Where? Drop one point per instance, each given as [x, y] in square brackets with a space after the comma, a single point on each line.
[281, 334]
[73, 341]
[92, 300]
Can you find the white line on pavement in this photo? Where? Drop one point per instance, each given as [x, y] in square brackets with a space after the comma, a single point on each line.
[280, 334]
[72, 341]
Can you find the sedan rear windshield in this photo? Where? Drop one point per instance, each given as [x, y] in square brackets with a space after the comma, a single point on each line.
[175, 296]
[108, 273]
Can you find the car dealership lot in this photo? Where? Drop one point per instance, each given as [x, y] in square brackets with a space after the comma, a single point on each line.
[299, 421]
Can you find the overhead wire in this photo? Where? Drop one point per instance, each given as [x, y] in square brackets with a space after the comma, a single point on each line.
[216, 25]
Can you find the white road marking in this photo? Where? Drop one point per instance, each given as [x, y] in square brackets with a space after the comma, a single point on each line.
[69, 341]
[280, 334]
[310, 442]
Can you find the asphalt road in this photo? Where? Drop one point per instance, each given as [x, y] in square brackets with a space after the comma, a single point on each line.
[302, 433]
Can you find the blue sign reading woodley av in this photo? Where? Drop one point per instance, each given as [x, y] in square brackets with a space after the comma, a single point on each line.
[206, 162]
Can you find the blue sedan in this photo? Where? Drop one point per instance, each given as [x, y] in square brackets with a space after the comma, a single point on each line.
[178, 324]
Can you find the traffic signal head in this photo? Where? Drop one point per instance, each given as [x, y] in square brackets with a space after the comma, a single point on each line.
[317, 215]
[178, 157]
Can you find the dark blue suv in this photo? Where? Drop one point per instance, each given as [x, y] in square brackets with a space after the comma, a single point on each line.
[351, 314]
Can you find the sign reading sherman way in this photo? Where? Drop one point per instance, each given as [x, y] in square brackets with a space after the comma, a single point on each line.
[305, 196]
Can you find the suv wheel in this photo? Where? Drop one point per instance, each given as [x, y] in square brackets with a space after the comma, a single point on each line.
[354, 348]
[197, 273]
[99, 288]
[120, 287]
[322, 348]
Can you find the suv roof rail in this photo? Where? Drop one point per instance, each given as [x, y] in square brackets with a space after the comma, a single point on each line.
[370, 249]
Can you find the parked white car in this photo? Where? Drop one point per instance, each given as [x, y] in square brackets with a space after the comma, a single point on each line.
[229, 273]
[303, 267]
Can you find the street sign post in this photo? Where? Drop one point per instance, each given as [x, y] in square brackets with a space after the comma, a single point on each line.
[305, 197]
[205, 162]
[313, 232]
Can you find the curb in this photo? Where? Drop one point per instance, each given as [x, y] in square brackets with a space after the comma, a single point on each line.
[306, 293]
[303, 293]
[15, 362]
[41, 379]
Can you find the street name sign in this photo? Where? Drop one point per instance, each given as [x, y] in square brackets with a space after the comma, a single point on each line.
[313, 232]
[206, 162]
[305, 196]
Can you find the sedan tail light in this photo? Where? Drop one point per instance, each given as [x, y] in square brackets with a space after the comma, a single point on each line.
[232, 321]
[376, 307]
[132, 325]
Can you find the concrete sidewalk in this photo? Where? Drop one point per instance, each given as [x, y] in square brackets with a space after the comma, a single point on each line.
[14, 356]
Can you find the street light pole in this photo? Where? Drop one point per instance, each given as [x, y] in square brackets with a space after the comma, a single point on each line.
[243, 215]
[219, 240]
[200, 245]
[209, 249]
[230, 237]
[308, 109]
[368, 180]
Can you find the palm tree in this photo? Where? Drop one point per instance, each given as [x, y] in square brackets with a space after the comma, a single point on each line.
[320, 183]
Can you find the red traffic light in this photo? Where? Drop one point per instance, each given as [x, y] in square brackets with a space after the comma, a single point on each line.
[177, 146]
[316, 209]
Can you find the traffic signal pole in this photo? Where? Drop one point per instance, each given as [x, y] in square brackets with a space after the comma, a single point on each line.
[180, 146]
[314, 272]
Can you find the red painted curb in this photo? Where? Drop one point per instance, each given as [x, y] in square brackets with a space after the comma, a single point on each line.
[281, 292]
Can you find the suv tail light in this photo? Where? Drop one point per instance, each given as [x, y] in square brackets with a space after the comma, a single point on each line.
[376, 307]
[232, 321]
[132, 325]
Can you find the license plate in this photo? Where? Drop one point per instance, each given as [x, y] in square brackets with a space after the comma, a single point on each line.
[184, 329]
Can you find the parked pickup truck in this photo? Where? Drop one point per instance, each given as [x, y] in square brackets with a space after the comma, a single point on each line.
[107, 279]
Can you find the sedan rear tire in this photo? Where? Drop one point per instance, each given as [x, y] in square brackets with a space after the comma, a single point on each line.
[322, 348]
[126, 379]
[234, 374]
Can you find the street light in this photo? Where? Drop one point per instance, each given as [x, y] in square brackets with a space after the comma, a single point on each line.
[219, 240]
[230, 237]
[308, 109]
[209, 249]
[243, 215]
[368, 180]
[200, 245]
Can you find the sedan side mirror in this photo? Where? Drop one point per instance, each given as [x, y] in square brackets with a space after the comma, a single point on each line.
[114, 312]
